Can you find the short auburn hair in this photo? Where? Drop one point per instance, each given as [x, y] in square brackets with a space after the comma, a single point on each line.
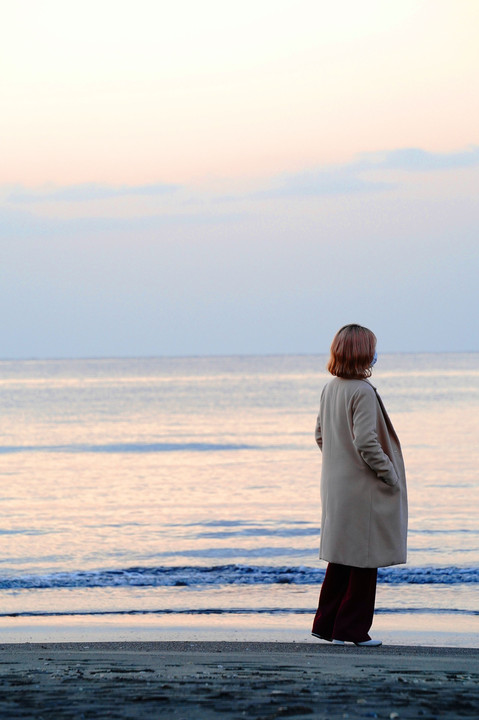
[352, 352]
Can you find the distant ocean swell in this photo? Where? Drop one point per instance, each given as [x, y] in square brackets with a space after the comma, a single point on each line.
[194, 576]
[231, 611]
[125, 448]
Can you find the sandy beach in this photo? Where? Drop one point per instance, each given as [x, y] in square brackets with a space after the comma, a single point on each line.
[194, 680]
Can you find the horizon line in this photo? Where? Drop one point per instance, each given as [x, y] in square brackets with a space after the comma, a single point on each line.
[193, 356]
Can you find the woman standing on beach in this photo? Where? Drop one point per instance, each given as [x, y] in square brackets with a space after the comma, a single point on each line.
[363, 491]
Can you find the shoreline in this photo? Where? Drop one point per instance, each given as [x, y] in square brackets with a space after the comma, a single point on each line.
[426, 630]
[229, 680]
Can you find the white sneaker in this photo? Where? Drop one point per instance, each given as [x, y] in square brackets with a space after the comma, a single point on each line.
[365, 643]
[321, 637]
[369, 643]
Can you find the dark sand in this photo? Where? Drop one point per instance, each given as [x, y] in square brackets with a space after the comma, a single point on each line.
[196, 680]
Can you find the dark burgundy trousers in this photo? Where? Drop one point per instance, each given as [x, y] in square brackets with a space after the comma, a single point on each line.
[346, 603]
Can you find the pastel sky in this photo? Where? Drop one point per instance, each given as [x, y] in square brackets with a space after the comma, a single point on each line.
[186, 178]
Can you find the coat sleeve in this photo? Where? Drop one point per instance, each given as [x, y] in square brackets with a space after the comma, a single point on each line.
[365, 438]
[318, 434]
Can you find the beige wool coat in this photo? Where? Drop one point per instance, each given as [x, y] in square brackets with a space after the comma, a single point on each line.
[363, 481]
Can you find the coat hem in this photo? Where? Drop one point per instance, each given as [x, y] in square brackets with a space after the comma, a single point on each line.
[362, 565]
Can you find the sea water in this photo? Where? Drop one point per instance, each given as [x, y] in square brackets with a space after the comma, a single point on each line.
[190, 486]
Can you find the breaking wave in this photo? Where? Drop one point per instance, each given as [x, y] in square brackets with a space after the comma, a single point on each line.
[197, 576]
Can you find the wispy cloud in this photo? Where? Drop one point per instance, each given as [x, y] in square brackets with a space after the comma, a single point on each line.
[87, 192]
[321, 182]
[417, 160]
[24, 224]
[355, 177]
[358, 176]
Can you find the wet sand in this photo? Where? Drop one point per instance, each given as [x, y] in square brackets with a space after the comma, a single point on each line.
[207, 680]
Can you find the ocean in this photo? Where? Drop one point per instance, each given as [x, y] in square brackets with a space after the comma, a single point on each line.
[190, 486]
